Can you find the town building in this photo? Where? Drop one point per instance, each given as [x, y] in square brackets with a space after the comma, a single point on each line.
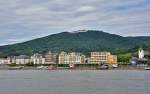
[51, 58]
[141, 59]
[22, 59]
[102, 57]
[112, 59]
[71, 58]
[5, 61]
[141, 53]
[61, 58]
[37, 59]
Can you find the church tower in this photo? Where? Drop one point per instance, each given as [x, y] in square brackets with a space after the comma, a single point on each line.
[141, 53]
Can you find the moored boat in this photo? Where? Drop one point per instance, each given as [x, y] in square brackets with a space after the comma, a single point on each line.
[103, 67]
[16, 68]
[147, 68]
[42, 67]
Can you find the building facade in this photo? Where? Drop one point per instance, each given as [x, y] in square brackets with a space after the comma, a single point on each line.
[51, 58]
[71, 58]
[5, 61]
[22, 59]
[102, 57]
[37, 59]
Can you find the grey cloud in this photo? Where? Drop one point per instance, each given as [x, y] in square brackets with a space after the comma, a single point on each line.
[37, 18]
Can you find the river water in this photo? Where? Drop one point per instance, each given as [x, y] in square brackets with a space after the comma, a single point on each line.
[74, 82]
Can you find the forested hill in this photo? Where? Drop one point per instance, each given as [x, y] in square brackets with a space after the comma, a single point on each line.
[90, 40]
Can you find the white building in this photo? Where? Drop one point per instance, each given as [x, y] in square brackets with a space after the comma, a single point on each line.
[5, 61]
[141, 53]
[22, 59]
[71, 58]
[37, 59]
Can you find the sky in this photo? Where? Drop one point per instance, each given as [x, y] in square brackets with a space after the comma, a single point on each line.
[22, 20]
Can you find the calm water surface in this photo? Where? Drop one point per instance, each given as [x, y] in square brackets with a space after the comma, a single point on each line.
[74, 82]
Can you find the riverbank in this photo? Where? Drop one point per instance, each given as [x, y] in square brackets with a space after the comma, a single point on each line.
[67, 68]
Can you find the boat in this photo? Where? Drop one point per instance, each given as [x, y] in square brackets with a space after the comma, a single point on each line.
[147, 68]
[71, 66]
[51, 67]
[42, 67]
[16, 68]
[114, 66]
[103, 67]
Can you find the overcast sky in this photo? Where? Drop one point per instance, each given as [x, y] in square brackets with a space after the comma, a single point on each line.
[22, 20]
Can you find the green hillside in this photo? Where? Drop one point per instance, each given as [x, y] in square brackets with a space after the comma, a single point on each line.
[76, 41]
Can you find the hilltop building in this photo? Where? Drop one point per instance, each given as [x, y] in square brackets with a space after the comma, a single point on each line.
[71, 58]
[102, 57]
